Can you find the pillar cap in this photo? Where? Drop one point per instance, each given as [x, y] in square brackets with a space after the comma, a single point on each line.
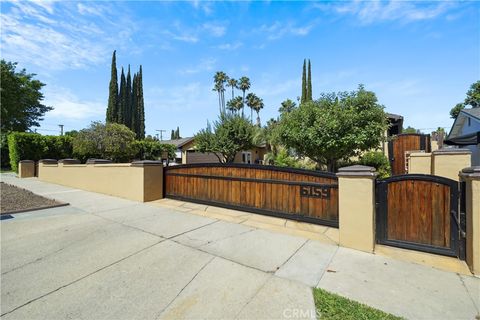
[26, 161]
[452, 151]
[471, 172]
[147, 163]
[69, 161]
[48, 161]
[357, 171]
[98, 161]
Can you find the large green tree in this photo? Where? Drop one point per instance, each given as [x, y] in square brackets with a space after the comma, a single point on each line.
[473, 95]
[112, 108]
[21, 99]
[336, 126]
[232, 133]
[472, 99]
[111, 141]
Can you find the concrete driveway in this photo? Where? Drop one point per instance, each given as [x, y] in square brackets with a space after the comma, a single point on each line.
[109, 258]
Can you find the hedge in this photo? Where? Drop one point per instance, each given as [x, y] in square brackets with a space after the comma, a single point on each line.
[5, 158]
[33, 146]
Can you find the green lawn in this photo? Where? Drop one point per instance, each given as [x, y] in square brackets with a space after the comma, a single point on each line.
[332, 306]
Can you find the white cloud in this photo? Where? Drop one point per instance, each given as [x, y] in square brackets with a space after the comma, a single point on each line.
[68, 107]
[53, 36]
[278, 30]
[230, 46]
[216, 30]
[205, 6]
[368, 12]
[180, 98]
[202, 66]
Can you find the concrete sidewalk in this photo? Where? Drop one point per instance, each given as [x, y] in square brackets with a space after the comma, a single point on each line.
[105, 257]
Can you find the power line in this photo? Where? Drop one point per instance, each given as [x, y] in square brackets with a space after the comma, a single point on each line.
[161, 134]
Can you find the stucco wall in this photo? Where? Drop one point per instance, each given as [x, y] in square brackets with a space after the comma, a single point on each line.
[448, 163]
[420, 163]
[140, 183]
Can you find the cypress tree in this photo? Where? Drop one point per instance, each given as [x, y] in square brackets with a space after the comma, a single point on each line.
[128, 98]
[177, 133]
[309, 85]
[172, 135]
[112, 108]
[134, 106]
[122, 99]
[304, 83]
[140, 106]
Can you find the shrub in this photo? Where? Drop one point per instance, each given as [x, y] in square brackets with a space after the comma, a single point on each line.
[111, 141]
[4, 154]
[230, 134]
[153, 150]
[33, 146]
[377, 160]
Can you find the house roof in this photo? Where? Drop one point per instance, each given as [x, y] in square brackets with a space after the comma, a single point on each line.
[474, 112]
[394, 116]
[455, 137]
[178, 142]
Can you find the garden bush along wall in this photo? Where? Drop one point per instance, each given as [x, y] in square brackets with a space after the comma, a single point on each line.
[4, 154]
[32, 146]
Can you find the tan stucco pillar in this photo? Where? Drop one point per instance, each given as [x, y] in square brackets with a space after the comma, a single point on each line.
[471, 176]
[448, 162]
[152, 179]
[356, 206]
[26, 169]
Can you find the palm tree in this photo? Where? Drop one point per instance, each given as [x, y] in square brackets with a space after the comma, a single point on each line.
[287, 106]
[238, 103]
[234, 105]
[257, 106]
[251, 101]
[233, 84]
[231, 105]
[217, 87]
[244, 85]
[219, 79]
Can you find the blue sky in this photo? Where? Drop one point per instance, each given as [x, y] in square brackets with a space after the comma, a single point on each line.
[418, 57]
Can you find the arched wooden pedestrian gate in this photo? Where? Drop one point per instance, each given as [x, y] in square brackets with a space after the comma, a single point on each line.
[304, 195]
[420, 212]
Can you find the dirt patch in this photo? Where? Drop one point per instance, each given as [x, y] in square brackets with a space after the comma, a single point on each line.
[15, 199]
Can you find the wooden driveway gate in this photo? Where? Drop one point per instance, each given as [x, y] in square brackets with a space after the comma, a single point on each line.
[420, 212]
[401, 144]
[304, 195]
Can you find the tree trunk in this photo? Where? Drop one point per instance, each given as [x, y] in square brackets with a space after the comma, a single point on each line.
[331, 165]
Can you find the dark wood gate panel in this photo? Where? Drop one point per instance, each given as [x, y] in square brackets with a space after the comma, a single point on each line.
[402, 143]
[310, 196]
[419, 212]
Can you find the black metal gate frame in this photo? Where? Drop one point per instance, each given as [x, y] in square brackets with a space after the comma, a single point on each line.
[456, 248]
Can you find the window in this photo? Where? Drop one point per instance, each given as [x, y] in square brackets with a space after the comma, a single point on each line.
[246, 157]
